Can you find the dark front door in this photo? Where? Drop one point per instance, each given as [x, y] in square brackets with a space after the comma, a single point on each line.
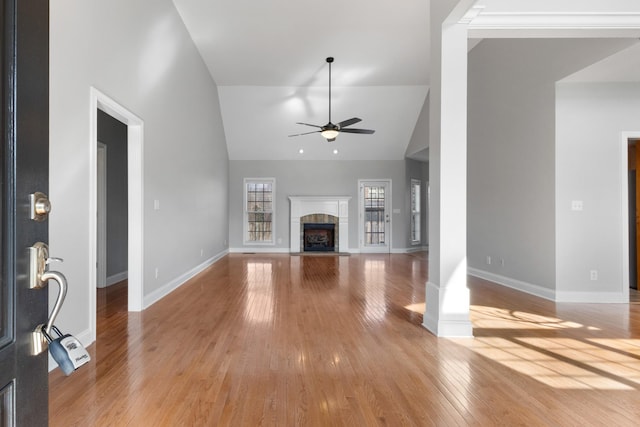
[24, 61]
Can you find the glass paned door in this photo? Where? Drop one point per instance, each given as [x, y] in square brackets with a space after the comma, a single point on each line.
[375, 218]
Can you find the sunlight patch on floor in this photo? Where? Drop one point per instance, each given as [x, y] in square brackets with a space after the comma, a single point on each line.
[563, 363]
[560, 362]
[416, 308]
[500, 318]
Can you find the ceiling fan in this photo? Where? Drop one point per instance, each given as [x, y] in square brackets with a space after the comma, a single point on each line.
[330, 131]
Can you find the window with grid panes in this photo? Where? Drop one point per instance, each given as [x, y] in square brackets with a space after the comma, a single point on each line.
[259, 210]
[415, 211]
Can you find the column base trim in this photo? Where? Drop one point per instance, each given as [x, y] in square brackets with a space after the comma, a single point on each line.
[455, 324]
[448, 328]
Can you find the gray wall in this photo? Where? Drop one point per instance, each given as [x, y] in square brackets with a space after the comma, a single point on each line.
[511, 152]
[419, 144]
[140, 55]
[317, 178]
[113, 134]
[590, 167]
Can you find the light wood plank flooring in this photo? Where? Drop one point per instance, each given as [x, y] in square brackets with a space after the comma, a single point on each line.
[280, 340]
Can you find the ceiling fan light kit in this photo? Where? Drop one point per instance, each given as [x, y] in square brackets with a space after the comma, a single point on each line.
[330, 134]
[331, 131]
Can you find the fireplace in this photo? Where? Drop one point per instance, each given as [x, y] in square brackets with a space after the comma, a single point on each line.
[319, 237]
[330, 210]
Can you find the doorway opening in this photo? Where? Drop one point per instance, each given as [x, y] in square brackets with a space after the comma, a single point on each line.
[112, 201]
[134, 239]
[633, 190]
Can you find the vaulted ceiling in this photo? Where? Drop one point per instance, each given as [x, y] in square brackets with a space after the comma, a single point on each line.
[268, 60]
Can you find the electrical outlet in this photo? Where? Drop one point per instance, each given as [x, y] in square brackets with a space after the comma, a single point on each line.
[156, 272]
[594, 274]
[201, 252]
[577, 205]
[502, 262]
[488, 260]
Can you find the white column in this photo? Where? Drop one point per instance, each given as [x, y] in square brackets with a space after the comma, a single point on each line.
[447, 295]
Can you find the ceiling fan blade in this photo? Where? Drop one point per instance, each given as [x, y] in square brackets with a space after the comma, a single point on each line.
[365, 131]
[306, 133]
[307, 124]
[345, 123]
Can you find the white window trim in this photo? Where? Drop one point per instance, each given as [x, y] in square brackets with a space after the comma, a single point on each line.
[245, 216]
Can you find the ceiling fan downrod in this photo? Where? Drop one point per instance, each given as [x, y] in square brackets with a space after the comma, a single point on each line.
[329, 61]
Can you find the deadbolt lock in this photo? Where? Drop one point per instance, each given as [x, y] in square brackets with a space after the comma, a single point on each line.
[39, 206]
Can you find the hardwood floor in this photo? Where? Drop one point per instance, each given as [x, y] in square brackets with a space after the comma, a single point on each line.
[282, 340]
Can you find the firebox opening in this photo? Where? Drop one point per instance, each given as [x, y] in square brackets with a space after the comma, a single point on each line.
[319, 237]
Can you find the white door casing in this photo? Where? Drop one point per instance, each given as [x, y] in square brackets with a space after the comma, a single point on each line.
[135, 173]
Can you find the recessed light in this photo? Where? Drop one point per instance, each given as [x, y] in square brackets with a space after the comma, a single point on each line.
[301, 151]
[335, 151]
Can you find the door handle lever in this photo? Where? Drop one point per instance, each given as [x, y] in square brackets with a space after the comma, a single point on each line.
[39, 277]
[62, 281]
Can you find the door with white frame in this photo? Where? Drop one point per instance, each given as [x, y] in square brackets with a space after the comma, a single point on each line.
[374, 215]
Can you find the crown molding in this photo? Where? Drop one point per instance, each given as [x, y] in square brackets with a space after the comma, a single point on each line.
[566, 24]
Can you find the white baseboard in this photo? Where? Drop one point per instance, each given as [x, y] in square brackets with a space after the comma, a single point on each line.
[518, 285]
[592, 297]
[269, 250]
[410, 250]
[552, 294]
[116, 278]
[158, 294]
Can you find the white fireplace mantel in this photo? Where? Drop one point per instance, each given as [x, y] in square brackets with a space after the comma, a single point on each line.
[330, 205]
